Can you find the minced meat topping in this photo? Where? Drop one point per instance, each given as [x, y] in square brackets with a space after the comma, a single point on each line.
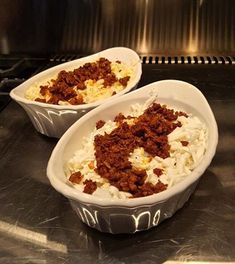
[149, 131]
[146, 151]
[70, 86]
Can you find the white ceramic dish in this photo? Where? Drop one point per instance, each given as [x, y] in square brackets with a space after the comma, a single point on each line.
[132, 215]
[54, 120]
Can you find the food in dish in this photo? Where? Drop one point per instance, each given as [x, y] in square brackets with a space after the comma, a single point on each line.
[53, 120]
[145, 152]
[130, 215]
[88, 83]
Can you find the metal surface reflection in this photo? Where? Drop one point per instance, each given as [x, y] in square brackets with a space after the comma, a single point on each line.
[31, 236]
[165, 27]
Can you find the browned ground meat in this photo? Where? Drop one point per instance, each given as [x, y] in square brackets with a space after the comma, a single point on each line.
[110, 79]
[76, 177]
[40, 100]
[63, 87]
[43, 90]
[119, 118]
[184, 143]
[149, 189]
[90, 186]
[180, 113]
[76, 100]
[99, 124]
[124, 80]
[157, 171]
[149, 131]
[53, 100]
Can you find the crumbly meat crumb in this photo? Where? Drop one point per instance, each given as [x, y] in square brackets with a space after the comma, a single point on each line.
[76, 177]
[184, 143]
[41, 100]
[64, 87]
[149, 131]
[123, 81]
[100, 124]
[157, 171]
[90, 186]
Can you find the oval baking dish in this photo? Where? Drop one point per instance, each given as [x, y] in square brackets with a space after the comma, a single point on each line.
[54, 120]
[136, 214]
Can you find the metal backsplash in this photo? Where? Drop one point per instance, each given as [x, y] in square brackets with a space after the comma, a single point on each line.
[158, 27]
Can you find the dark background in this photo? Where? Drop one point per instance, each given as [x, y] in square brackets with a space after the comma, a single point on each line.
[172, 27]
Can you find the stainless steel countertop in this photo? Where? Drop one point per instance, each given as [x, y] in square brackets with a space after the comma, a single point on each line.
[37, 224]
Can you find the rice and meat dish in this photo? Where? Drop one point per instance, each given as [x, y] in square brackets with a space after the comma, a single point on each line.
[90, 82]
[140, 154]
